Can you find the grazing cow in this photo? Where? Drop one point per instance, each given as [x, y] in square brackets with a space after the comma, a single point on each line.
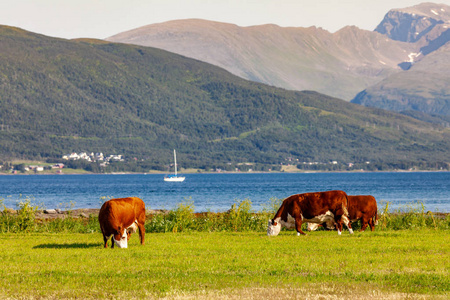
[121, 217]
[361, 207]
[329, 207]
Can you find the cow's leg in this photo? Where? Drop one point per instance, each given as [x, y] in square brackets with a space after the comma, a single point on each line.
[341, 218]
[371, 224]
[364, 224]
[298, 226]
[348, 224]
[338, 221]
[112, 241]
[141, 225]
[339, 226]
[141, 233]
[105, 240]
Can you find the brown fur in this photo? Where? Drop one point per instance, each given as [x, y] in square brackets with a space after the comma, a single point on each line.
[116, 215]
[364, 208]
[310, 205]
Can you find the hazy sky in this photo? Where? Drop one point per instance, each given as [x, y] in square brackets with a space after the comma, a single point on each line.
[104, 18]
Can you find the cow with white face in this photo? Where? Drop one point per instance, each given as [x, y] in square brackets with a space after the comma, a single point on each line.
[120, 218]
[321, 207]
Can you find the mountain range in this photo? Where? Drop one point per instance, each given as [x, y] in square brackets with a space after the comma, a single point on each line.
[382, 68]
[60, 96]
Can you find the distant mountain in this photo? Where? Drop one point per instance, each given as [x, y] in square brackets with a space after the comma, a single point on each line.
[339, 64]
[424, 87]
[59, 96]
[414, 23]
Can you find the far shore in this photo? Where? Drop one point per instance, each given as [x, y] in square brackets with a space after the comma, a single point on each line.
[191, 171]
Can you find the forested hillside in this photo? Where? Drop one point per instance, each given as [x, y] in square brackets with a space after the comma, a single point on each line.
[60, 96]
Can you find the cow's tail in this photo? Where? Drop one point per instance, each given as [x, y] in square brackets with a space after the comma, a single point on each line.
[375, 218]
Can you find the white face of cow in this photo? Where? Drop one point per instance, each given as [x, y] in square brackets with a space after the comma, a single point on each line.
[123, 241]
[273, 230]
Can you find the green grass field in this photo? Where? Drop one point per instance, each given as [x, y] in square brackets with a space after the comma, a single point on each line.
[382, 264]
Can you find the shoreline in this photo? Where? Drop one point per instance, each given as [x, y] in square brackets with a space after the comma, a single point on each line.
[226, 172]
[51, 214]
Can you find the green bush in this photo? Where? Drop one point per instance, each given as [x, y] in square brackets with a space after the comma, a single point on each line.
[180, 219]
[410, 216]
[239, 218]
[210, 222]
[69, 224]
[21, 220]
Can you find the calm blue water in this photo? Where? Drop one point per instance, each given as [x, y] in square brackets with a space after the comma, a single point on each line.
[217, 192]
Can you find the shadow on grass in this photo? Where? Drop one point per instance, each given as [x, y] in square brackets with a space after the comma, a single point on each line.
[68, 246]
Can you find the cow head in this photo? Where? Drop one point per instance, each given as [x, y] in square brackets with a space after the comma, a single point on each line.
[121, 238]
[273, 228]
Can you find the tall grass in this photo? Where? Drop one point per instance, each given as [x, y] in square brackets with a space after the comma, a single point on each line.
[21, 221]
[239, 218]
[411, 216]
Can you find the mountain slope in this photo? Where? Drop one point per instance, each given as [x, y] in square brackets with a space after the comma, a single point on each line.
[59, 96]
[339, 64]
[411, 24]
[423, 88]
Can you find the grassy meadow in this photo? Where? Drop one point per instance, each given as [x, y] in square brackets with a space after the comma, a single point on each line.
[224, 255]
[381, 264]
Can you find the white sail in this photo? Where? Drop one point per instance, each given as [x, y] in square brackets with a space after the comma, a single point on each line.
[174, 177]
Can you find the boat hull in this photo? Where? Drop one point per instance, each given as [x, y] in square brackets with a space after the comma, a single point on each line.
[174, 179]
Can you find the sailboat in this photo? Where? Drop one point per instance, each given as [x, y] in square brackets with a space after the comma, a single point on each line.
[174, 177]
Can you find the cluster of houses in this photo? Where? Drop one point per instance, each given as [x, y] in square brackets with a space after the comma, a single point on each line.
[93, 157]
[35, 168]
[97, 157]
[41, 168]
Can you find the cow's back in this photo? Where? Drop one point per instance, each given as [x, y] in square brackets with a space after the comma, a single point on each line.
[314, 204]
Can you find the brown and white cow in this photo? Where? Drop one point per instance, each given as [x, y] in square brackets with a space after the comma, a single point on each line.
[119, 218]
[361, 207]
[320, 207]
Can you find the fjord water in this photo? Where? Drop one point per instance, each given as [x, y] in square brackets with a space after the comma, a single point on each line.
[217, 192]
